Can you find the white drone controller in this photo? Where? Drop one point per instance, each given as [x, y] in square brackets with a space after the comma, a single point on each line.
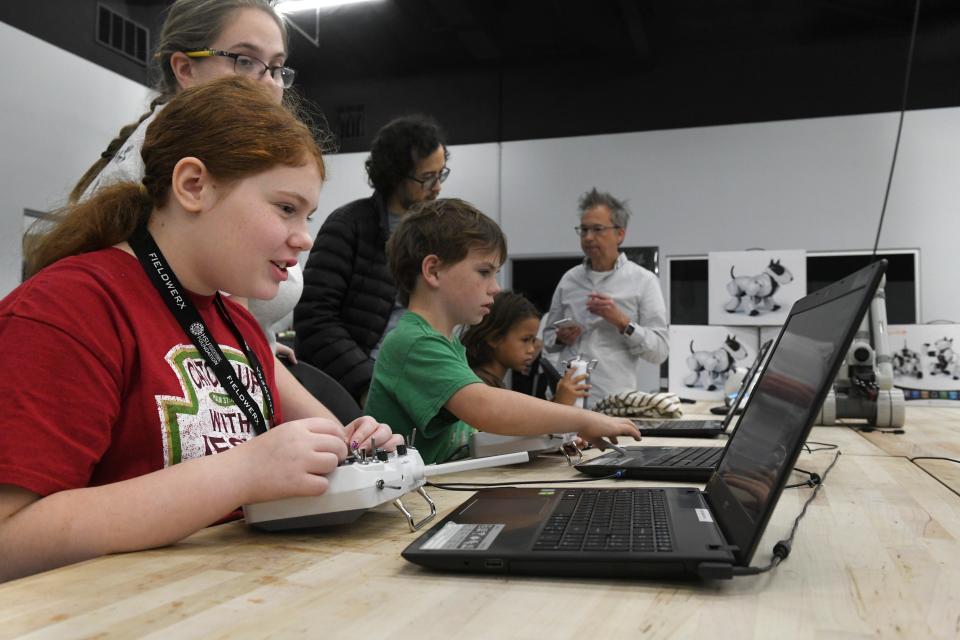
[483, 444]
[362, 483]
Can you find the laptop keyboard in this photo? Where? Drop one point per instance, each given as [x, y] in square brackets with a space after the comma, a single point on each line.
[689, 457]
[685, 424]
[608, 520]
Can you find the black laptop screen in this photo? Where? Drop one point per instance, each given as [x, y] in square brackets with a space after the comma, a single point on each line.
[781, 408]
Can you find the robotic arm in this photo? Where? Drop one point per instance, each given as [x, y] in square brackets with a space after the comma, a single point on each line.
[864, 386]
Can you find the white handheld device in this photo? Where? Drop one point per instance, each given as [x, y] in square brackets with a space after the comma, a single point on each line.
[363, 483]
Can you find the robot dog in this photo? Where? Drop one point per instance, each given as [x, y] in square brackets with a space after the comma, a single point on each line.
[906, 363]
[944, 361]
[709, 369]
[754, 294]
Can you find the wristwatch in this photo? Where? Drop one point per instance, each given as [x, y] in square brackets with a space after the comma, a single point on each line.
[629, 329]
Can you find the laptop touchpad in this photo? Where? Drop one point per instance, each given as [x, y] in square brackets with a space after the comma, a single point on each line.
[504, 509]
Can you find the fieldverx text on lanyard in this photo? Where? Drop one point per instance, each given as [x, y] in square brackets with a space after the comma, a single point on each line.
[179, 304]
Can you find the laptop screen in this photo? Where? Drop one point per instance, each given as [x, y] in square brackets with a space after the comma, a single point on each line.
[781, 409]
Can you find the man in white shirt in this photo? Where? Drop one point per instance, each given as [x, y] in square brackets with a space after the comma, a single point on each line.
[616, 305]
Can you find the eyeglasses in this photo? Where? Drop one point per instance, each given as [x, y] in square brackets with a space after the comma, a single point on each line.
[595, 229]
[244, 65]
[429, 182]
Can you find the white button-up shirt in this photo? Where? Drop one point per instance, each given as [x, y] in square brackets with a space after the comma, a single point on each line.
[636, 292]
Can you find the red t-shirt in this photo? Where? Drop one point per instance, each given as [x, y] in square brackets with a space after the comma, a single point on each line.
[100, 383]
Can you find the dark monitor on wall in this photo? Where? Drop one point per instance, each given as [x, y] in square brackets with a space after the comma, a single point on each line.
[688, 283]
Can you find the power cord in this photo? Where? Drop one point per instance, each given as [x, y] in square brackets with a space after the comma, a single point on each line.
[870, 429]
[782, 548]
[903, 108]
[933, 475]
[821, 446]
[813, 479]
[933, 458]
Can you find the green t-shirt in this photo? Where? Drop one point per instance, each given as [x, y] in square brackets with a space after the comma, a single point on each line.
[417, 371]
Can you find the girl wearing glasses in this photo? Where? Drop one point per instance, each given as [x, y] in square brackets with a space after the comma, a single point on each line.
[126, 370]
[202, 40]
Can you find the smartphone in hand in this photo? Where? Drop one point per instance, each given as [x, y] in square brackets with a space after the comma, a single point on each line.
[565, 322]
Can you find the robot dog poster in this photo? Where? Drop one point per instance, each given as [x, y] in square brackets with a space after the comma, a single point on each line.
[755, 288]
[702, 358]
[926, 361]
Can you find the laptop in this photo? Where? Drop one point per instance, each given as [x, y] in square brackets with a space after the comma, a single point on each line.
[681, 464]
[671, 531]
[704, 428]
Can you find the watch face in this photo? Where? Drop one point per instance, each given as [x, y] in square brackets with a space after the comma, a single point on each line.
[628, 330]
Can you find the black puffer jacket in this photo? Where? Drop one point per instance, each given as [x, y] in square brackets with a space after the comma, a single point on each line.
[348, 294]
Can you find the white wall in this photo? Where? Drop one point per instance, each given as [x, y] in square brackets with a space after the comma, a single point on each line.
[59, 112]
[924, 208]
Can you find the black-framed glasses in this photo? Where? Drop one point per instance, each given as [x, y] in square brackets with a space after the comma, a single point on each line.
[430, 181]
[595, 229]
[244, 65]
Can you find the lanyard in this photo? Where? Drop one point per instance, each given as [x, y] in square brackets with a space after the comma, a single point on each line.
[176, 299]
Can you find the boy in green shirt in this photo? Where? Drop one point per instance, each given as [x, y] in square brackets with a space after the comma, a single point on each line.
[445, 256]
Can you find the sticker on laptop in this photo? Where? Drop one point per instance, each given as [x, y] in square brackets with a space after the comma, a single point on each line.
[703, 515]
[463, 537]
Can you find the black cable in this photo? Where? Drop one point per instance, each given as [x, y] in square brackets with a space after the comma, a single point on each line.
[813, 479]
[866, 428]
[933, 458]
[476, 486]
[903, 108]
[782, 549]
[821, 446]
[933, 475]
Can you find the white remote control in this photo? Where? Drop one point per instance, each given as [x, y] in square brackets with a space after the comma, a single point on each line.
[361, 484]
[484, 444]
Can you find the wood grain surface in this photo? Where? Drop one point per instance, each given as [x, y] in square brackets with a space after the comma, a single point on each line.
[876, 556]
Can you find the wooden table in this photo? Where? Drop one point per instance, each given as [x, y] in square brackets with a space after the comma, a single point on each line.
[930, 432]
[876, 556]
